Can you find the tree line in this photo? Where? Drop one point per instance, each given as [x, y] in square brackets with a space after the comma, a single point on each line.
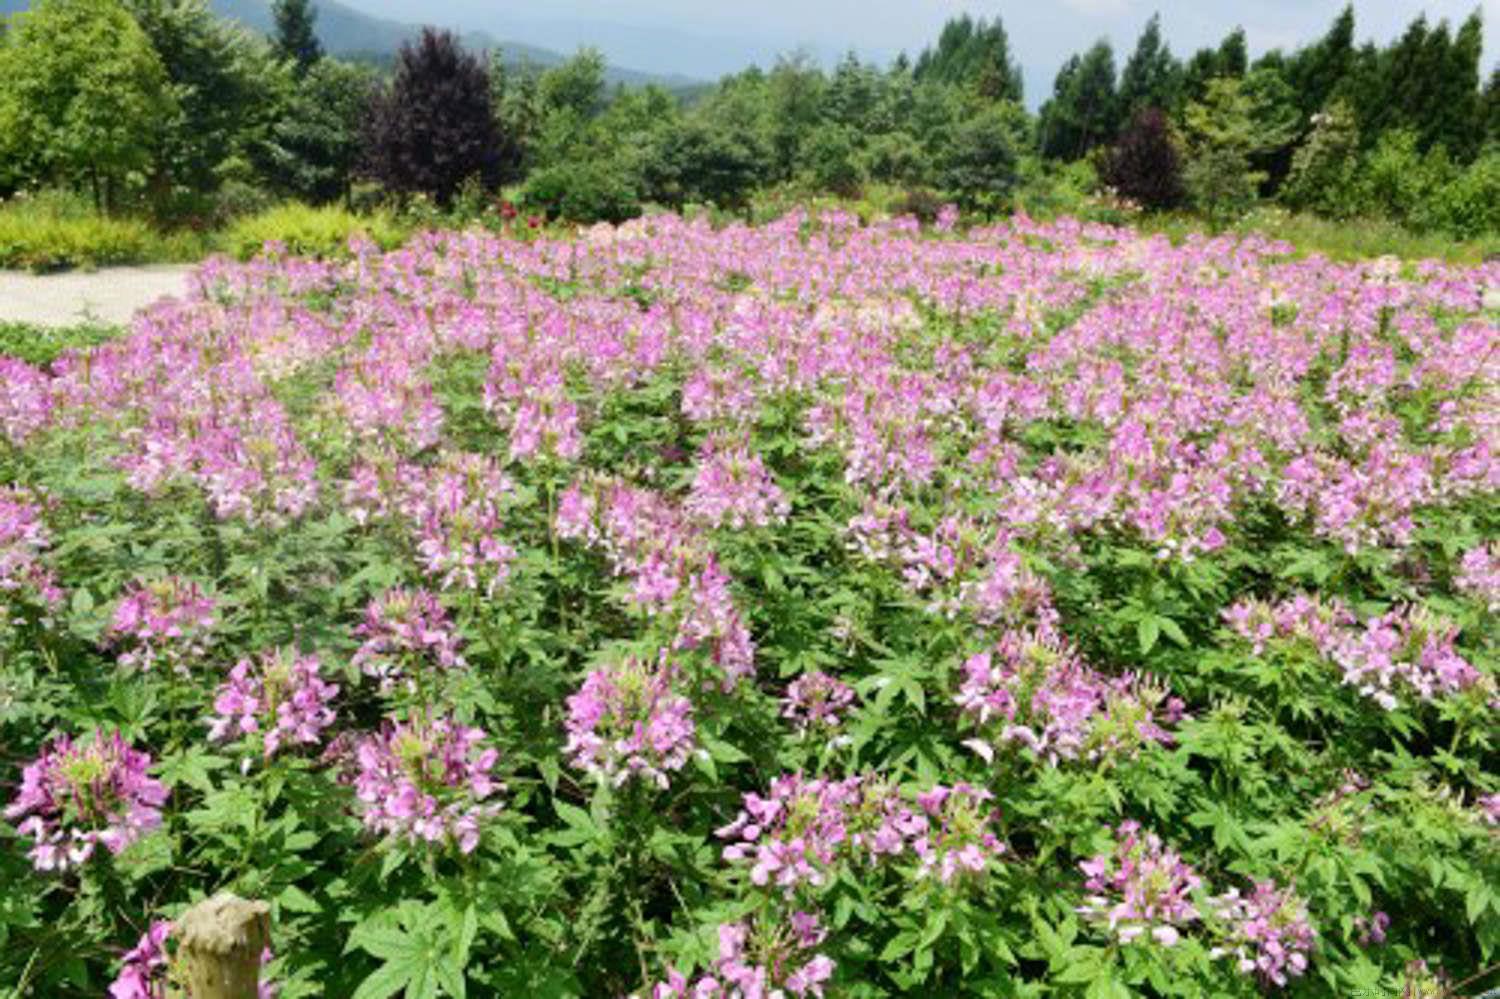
[158, 106]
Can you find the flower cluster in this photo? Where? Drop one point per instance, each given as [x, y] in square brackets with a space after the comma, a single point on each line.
[1299, 618]
[24, 537]
[648, 540]
[455, 515]
[1034, 691]
[166, 620]
[628, 721]
[403, 631]
[1406, 651]
[956, 841]
[280, 696]
[144, 970]
[759, 959]
[1140, 888]
[797, 833]
[733, 488]
[1267, 932]
[816, 702]
[428, 780]
[1479, 575]
[82, 794]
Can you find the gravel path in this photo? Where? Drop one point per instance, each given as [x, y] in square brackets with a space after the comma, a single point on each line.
[111, 295]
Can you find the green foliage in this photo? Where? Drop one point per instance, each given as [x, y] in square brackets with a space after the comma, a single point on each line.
[313, 147]
[1084, 111]
[83, 96]
[56, 231]
[1151, 76]
[44, 344]
[980, 161]
[1235, 122]
[975, 55]
[296, 38]
[227, 92]
[1325, 167]
[310, 231]
[583, 191]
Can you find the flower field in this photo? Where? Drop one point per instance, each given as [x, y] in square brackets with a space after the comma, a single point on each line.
[815, 609]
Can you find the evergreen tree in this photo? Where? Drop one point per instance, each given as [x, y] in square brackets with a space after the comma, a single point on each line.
[434, 127]
[1489, 109]
[295, 39]
[1083, 112]
[974, 54]
[1317, 71]
[1456, 106]
[313, 148]
[1151, 75]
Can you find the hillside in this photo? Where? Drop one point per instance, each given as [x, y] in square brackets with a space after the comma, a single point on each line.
[347, 32]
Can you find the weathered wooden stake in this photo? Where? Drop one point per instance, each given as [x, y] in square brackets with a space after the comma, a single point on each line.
[220, 941]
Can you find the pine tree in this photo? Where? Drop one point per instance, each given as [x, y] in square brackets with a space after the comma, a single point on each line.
[295, 39]
[1151, 75]
[1457, 105]
[1083, 112]
[1317, 71]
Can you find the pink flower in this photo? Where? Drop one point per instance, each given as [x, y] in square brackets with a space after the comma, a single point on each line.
[816, 701]
[166, 620]
[78, 795]
[145, 972]
[733, 488]
[404, 631]
[627, 721]
[427, 781]
[24, 538]
[1140, 889]
[280, 696]
[957, 841]
[1267, 933]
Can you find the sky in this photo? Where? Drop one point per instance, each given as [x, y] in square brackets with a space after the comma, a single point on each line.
[707, 38]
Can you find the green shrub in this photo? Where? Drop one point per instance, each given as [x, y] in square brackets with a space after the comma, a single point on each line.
[43, 344]
[1468, 207]
[55, 231]
[586, 191]
[307, 231]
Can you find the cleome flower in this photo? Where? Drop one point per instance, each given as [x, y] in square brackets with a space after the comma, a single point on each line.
[146, 970]
[627, 721]
[428, 781]
[166, 621]
[403, 631]
[82, 794]
[1033, 690]
[816, 701]
[1141, 888]
[759, 959]
[1267, 932]
[280, 696]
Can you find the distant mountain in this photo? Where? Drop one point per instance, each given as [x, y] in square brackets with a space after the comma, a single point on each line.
[347, 32]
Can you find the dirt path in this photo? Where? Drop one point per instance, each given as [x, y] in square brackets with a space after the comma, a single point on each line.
[111, 295]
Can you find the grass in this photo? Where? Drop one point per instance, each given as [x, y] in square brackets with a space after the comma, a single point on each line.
[1354, 239]
[44, 344]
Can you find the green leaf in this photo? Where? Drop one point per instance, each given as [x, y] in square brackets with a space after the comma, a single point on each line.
[1147, 631]
[386, 981]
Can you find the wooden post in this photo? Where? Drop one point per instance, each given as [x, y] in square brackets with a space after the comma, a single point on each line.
[220, 941]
